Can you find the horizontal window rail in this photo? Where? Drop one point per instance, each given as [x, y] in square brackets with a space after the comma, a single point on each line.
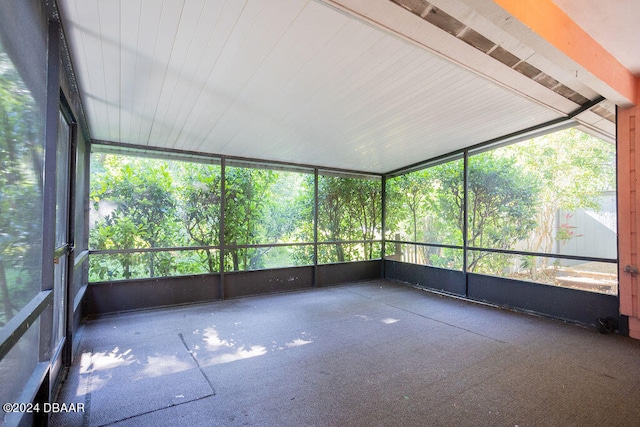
[146, 250]
[435, 245]
[80, 258]
[227, 247]
[544, 254]
[11, 333]
[193, 248]
[339, 242]
[227, 251]
[508, 251]
[267, 245]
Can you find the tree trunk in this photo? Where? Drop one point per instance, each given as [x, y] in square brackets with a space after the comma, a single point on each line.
[152, 261]
[4, 292]
[340, 252]
[236, 262]
[210, 261]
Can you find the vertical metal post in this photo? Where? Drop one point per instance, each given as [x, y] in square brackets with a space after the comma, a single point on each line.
[71, 239]
[50, 143]
[315, 227]
[383, 225]
[223, 166]
[465, 221]
[87, 209]
[49, 185]
[618, 171]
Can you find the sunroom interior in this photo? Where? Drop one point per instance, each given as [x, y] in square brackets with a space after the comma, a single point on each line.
[177, 153]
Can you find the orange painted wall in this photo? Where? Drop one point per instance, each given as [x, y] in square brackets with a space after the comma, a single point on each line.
[552, 24]
[628, 217]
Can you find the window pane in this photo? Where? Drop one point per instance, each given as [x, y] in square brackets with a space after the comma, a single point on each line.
[586, 276]
[426, 205]
[348, 209]
[198, 199]
[137, 265]
[502, 201]
[345, 252]
[552, 194]
[80, 277]
[18, 365]
[62, 181]
[433, 256]
[140, 203]
[134, 203]
[244, 259]
[265, 206]
[21, 157]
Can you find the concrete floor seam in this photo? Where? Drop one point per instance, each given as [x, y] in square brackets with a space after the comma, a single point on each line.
[155, 410]
[429, 318]
[184, 342]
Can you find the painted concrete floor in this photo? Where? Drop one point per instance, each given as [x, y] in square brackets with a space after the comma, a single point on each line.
[372, 353]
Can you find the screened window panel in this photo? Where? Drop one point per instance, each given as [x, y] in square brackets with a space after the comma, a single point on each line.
[81, 200]
[17, 366]
[143, 203]
[425, 206]
[264, 257]
[329, 253]
[198, 202]
[441, 257]
[152, 203]
[140, 265]
[62, 181]
[22, 101]
[553, 194]
[349, 209]
[588, 276]
[264, 206]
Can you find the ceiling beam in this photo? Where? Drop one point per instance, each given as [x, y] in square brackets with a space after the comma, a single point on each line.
[549, 22]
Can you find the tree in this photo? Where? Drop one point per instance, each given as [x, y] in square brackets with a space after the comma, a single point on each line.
[200, 207]
[143, 213]
[348, 209]
[247, 194]
[425, 206]
[409, 198]
[289, 219]
[573, 169]
[303, 215]
[502, 205]
[146, 203]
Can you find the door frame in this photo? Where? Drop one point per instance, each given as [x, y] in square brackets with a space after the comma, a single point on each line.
[61, 352]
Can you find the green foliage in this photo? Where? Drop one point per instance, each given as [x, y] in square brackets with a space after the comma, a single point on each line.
[348, 209]
[21, 148]
[427, 206]
[199, 193]
[140, 213]
[264, 206]
[424, 206]
[573, 170]
[247, 198]
[502, 205]
[143, 203]
[521, 196]
[146, 203]
[410, 197]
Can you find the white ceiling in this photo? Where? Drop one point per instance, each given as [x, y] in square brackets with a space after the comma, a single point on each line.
[288, 80]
